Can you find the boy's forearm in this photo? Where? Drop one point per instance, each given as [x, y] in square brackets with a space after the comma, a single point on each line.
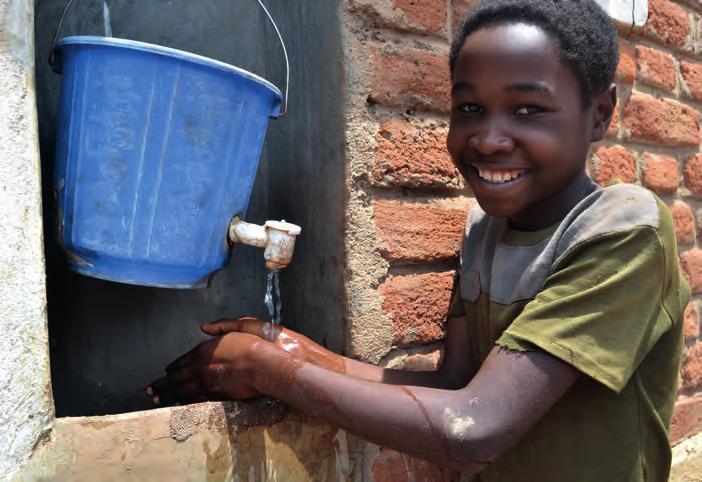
[417, 416]
[324, 358]
[373, 373]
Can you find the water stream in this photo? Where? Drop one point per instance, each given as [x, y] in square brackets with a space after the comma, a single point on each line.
[272, 298]
[106, 18]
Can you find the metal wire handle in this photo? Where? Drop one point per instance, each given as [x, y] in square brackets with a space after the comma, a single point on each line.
[58, 31]
[287, 61]
[284, 109]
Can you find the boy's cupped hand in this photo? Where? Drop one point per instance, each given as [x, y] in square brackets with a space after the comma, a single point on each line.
[297, 345]
[222, 368]
[217, 369]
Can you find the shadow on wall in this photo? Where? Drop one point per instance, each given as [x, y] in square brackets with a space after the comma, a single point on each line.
[109, 340]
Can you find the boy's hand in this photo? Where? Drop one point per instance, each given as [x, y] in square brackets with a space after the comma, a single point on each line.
[297, 345]
[266, 330]
[218, 369]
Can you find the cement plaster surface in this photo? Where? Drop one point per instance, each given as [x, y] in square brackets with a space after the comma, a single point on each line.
[687, 460]
[688, 471]
[206, 442]
[26, 407]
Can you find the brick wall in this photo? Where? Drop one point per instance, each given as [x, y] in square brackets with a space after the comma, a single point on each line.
[407, 205]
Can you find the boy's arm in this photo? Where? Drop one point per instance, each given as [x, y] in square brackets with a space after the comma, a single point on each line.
[465, 429]
[456, 369]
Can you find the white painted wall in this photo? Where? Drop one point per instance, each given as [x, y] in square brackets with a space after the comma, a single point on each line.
[26, 408]
[626, 11]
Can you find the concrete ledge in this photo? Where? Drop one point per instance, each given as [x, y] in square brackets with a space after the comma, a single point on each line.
[687, 460]
[211, 441]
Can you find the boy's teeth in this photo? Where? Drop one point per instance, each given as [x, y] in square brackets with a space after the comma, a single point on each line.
[499, 177]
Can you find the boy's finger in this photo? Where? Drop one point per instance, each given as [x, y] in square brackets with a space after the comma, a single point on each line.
[174, 378]
[181, 362]
[243, 325]
[180, 393]
[221, 327]
[196, 399]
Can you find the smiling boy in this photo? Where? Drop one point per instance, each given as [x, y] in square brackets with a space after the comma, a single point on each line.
[564, 337]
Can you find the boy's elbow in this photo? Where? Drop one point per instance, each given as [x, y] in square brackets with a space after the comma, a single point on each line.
[472, 446]
[450, 380]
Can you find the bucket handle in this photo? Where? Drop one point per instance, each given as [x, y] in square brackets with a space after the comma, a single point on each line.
[265, 10]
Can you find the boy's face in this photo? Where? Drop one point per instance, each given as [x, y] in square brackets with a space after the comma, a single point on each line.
[520, 131]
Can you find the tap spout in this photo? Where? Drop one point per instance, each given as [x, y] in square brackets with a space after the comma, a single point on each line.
[276, 237]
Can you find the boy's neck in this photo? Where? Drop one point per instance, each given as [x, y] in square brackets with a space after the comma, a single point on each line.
[554, 209]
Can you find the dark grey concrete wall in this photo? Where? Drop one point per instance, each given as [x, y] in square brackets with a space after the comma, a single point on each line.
[109, 340]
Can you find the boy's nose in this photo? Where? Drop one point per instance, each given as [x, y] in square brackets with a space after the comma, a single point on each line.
[491, 141]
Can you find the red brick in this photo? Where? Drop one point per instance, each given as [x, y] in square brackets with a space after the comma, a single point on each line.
[661, 121]
[692, 367]
[416, 232]
[687, 419]
[391, 466]
[655, 68]
[405, 15]
[417, 305]
[668, 22]
[691, 323]
[691, 263]
[684, 221]
[613, 130]
[693, 174]
[422, 362]
[460, 10]
[412, 79]
[626, 70]
[429, 16]
[614, 164]
[411, 154]
[692, 79]
[660, 173]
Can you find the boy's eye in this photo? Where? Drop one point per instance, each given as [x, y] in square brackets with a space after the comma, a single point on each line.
[471, 108]
[528, 110]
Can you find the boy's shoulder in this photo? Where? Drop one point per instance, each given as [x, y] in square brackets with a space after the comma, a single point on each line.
[606, 213]
[606, 221]
[611, 209]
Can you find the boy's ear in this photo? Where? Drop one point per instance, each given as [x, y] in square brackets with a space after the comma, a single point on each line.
[602, 112]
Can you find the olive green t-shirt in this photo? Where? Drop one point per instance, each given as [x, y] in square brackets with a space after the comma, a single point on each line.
[601, 291]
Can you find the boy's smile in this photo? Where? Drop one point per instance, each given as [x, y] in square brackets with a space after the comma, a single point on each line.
[520, 129]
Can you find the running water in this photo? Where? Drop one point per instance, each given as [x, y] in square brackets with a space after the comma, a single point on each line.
[279, 304]
[274, 308]
[106, 18]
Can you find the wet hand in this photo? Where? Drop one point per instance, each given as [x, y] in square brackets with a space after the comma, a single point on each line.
[218, 369]
[294, 343]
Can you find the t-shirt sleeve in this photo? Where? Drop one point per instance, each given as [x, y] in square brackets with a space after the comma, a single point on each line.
[601, 309]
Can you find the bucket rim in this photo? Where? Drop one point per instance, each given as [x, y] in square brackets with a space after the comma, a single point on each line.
[167, 52]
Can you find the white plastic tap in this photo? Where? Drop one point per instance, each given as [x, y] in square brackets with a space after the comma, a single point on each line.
[276, 237]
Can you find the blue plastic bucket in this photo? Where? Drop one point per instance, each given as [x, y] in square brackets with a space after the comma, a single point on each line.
[157, 150]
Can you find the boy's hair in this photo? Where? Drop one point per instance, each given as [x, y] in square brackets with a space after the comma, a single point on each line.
[583, 33]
